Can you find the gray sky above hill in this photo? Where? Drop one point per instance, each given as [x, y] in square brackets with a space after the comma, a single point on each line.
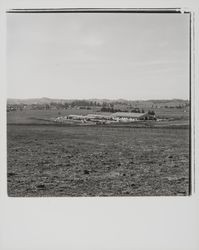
[103, 55]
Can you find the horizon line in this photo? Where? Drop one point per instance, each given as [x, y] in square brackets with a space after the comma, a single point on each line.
[92, 98]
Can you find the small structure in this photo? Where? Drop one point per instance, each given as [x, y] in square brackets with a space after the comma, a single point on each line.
[106, 119]
[131, 116]
[76, 117]
[98, 117]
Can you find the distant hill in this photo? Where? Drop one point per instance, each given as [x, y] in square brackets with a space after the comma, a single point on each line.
[43, 100]
[138, 103]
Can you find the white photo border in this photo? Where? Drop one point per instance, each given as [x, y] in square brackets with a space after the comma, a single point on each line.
[101, 223]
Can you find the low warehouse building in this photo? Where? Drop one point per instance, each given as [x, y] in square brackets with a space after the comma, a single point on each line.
[133, 116]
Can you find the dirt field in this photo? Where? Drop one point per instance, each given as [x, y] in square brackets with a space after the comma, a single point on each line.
[50, 160]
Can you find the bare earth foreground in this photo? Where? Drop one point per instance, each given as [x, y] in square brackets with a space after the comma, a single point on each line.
[52, 160]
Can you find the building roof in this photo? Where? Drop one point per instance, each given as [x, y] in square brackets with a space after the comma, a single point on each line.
[128, 114]
[97, 116]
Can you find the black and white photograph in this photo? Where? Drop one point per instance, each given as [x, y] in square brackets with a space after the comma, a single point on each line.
[98, 103]
[99, 124]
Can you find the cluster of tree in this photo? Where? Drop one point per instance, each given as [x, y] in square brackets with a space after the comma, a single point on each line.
[151, 112]
[58, 105]
[111, 109]
[85, 107]
[36, 106]
[137, 110]
[15, 107]
[83, 103]
[177, 106]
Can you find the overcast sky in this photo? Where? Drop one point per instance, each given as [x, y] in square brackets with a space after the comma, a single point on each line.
[103, 55]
